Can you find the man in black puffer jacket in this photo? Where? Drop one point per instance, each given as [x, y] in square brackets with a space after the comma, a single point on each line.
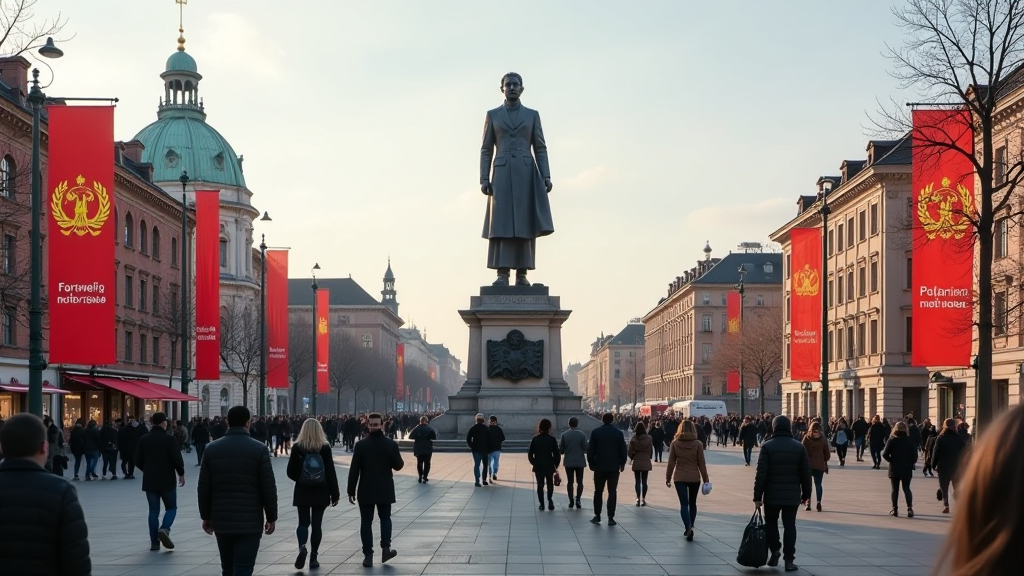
[237, 491]
[42, 527]
[782, 483]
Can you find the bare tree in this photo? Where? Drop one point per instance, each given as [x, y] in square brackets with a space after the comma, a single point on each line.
[21, 31]
[758, 349]
[166, 319]
[967, 53]
[300, 355]
[15, 211]
[630, 383]
[240, 344]
[347, 364]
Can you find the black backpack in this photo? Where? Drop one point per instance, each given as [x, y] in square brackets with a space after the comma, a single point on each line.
[313, 472]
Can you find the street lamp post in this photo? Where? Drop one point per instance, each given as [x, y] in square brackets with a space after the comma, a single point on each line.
[743, 393]
[185, 339]
[312, 389]
[263, 319]
[826, 187]
[36, 362]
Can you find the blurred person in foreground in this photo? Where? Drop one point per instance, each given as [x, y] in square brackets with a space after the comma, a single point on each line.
[782, 482]
[988, 529]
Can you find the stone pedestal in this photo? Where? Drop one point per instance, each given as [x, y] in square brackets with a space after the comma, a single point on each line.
[519, 404]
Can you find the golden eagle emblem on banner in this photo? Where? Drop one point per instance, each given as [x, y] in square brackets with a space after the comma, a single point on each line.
[322, 326]
[806, 282]
[80, 223]
[734, 325]
[952, 210]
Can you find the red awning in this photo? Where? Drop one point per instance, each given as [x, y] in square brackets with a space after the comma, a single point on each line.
[161, 392]
[128, 387]
[20, 388]
[136, 388]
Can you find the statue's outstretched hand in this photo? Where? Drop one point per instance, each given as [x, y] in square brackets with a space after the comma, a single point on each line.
[486, 189]
[547, 184]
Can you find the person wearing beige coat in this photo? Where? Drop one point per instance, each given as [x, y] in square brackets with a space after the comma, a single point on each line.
[819, 454]
[687, 469]
[641, 452]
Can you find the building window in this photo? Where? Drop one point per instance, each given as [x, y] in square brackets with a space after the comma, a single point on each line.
[831, 292]
[873, 211]
[156, 300]
[768, 268]
[862, 335]
[909, 334]
[839, 289]
[705, 385]
[705, 353]
[789, 265]
[174, 252]
[143, 294]
[8, 326]
[839, 238]
[759, 300]
[129, 230]
[223, 252]
[616, 353]
[128, 342]
[831, 347]
[705, 323]
[849, 285]
[129, 292]
[862, 226]
[9, 254]
[1002, 243]
[1000, 165]
[143, 351]
[632, 353]
[617, 373]
[839, 344]
[8, 173]
[787, 308]
[874, 275]
[143, 237]
[367, 341]
[706, 299]
[156, 243]
[862, 280]
[724, 299]
[831, 241]
[999, 316]
[849, 232]
[156, 349]
[874, 336]
[910, 273]
[725, 322]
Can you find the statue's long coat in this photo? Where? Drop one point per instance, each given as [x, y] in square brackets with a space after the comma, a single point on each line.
[519, 207]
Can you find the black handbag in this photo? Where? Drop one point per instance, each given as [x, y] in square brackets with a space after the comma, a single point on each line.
[753, 551]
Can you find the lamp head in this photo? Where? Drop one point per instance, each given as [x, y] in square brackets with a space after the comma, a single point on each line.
[184, 179]
[50, 50]
[265, 218]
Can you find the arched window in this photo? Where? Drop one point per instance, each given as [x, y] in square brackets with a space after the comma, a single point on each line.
[8, 172]
[174, 251]
[129, 230]
[156, 243]
[143, 236]
[224, 402]
[223, 252]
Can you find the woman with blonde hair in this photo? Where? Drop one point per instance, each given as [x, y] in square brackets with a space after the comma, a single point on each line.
[989, 527]
[818, 453]
[901, 454]
[311, 467]
[686, 467]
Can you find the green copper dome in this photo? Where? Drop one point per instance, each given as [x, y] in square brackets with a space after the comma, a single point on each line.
[181, 61]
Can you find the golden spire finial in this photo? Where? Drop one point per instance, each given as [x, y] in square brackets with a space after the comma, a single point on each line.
[181, 26]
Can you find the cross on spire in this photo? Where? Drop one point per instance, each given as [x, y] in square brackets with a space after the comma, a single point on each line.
[181, 24]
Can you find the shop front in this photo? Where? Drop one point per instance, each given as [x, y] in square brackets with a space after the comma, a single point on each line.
[14, 397]
[109, 398]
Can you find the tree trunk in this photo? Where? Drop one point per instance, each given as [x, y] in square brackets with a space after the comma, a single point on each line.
[760, 388]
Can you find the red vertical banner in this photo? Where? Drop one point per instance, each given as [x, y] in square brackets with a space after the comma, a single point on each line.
[942, 270]
[400, 373]
[732, 314]
[600, 392]
[805, 305]
[207, 275]
[323, 335]
[82, 230]
[277, 319]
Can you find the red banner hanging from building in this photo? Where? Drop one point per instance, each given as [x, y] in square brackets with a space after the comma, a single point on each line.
[79, 201]
[942, 270]
[805, 305]
[400, 373]
[277, 319]
[323, 337]
[600, 392]
[207, 278]
[732, 314]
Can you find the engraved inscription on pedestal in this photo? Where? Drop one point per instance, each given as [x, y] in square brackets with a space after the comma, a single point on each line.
[515, 358]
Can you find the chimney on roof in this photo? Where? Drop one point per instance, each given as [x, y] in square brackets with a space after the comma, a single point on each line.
[14, 72]
[133, 150]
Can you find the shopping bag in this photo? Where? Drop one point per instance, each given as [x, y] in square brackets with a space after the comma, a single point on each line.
[753, 551]
[705, 489]
[558, 478]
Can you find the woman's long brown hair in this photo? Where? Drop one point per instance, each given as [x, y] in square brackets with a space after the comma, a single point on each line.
[988, 526]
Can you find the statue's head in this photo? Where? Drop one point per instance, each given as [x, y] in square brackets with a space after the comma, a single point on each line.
[512, 85]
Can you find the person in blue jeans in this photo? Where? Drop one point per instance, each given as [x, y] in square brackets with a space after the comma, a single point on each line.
[158, 457]
[479, 440]
[818, 453]
[91, 448]
[497, 436]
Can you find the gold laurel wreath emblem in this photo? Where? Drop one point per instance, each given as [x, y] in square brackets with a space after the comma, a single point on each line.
[80, 223]
[806, 282]
[951, 222]
[734, 325]
[322, 327]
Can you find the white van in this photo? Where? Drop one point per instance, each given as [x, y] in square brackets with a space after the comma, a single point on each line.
[691, 408]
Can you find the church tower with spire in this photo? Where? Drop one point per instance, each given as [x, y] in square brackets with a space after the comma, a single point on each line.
[388, 294]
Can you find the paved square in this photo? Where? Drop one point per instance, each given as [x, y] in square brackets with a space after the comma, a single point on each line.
[450, 527]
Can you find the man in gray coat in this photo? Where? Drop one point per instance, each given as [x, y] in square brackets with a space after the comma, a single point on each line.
[517, 184]
[573, 446]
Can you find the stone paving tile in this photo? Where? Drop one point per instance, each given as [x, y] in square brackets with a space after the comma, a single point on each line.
[450, 527]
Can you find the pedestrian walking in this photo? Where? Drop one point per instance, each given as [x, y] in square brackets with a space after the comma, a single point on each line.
[641, 452]
[127, 442]
[108, 444]
[573, 447]
[158, 457]
[860, 433]
[947, 451]
[237, 494]
[371, 481]
[901, 454]
[201, 438]
[479, 440]
[55, 459]
[544, 457]
[76, 441]
[748, 438]
[658, 438]
[819, 454]
[842, 435]
[496, 436]
[311, 467]
[43, 528]
[782, 482]
[606, 455]
[423, 437]
[91, 447]
[877, 434]
[686, 470]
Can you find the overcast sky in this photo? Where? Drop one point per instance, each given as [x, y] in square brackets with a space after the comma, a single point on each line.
[668, 123]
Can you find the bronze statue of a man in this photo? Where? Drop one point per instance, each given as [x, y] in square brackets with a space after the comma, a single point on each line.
[516, 185]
